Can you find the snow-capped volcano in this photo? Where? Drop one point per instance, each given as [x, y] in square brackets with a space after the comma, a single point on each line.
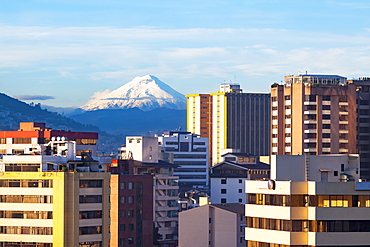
[146, 93]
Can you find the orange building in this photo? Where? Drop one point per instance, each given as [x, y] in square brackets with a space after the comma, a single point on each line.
[313, 114]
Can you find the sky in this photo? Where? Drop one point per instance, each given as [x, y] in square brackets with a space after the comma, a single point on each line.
[63, 53]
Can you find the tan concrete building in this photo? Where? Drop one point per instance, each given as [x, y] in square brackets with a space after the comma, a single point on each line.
[214, 225]
[305, 207]
[313, 114]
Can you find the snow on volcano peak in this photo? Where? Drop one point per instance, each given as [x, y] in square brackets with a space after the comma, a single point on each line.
[146, 93]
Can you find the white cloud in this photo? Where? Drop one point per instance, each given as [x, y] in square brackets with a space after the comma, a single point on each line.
[97, 95]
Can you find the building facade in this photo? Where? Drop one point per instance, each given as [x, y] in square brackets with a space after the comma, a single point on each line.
[132, 204]
[313, 114]
[34, 137]
[53, 198]
[240, 121]
[190, 154]
[227, 179]
[216, 225]
[144, 151]
[319, 203]
[363, 123]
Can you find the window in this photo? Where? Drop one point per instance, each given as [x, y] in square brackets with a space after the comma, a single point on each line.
[223, 191]
[240, 200]
[240, 191]
[131, 213]
[310, 98]
[130, 185]
[122, 186]
[287, 97]
[326, 126]
[122, 227]
[122, 241]
[335, 173]
[223, 181]
[122, 214]
[326, 107]
[130, 199]
[123, 199]
[131, 227]
[130, 241]
[326, 145]
[326, 116]
[326, 97]
[223, 200]
[240, 181]
[325, 135]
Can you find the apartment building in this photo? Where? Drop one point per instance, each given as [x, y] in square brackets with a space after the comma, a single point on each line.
[318, 203]
[227, 179]
[190, 153]
[238, 120]
[144, 151]
[33, 138]
[44, 201]
[313, 114]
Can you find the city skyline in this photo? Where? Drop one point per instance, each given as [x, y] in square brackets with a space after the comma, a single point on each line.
[64, 52]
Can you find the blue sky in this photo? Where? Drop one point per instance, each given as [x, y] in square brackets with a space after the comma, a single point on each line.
[63, 52]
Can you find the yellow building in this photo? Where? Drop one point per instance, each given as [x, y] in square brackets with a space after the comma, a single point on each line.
[59, 209]
[232, 120]
[318, 203]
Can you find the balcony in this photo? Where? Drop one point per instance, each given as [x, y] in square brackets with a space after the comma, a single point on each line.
[343, 121]
[325, 112]
[310, 121]
[310, 131]
[343, 103]
[325, 102]
[343, 112]
[326, 121]
[343, 141]
[309, 150]
[312, 140]
[310, 112]
[343, 150]
[343, 131]
[310, 103]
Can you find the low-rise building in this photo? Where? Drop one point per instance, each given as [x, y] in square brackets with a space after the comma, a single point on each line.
[215, 225]
[227, 179]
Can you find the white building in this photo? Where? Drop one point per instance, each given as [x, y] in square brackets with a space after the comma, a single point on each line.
[227, 179]
[190, 153]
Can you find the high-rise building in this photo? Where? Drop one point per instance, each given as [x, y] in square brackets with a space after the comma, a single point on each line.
[313, 114]
[190, 153]
[363, 122]
[51, 197]
[317, 203]
[231, 119]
